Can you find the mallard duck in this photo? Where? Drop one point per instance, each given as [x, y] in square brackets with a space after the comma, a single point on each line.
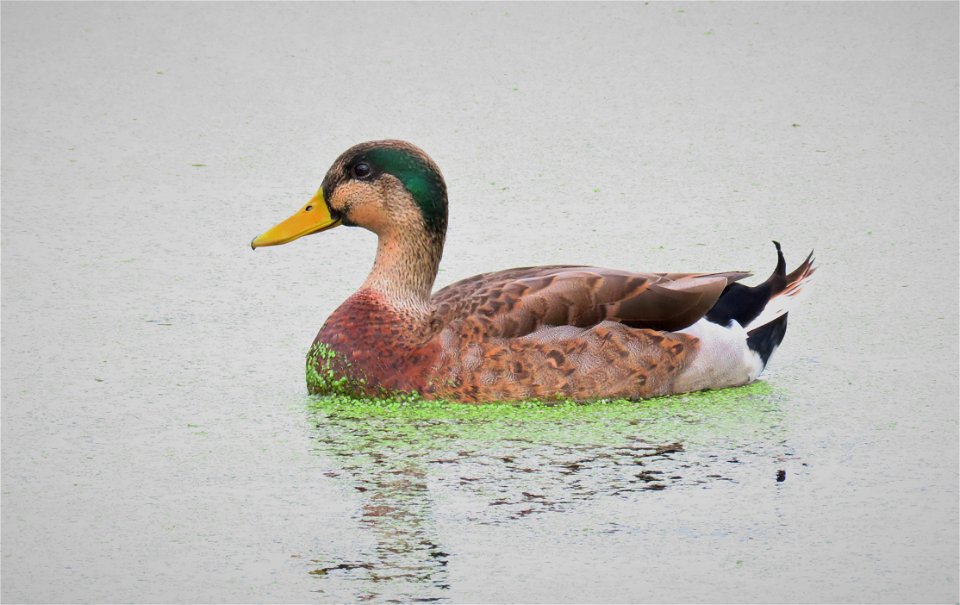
[556, 332]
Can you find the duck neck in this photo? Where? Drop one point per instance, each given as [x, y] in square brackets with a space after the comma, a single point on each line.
[405, 269]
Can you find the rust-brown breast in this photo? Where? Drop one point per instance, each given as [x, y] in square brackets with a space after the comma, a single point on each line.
[377, 348]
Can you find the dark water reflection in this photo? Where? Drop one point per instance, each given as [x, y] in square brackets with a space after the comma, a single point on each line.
[421, 463]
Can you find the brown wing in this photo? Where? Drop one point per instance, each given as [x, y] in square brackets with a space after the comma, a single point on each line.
[517, 302]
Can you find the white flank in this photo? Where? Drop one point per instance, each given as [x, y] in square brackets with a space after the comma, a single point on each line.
[724, 360]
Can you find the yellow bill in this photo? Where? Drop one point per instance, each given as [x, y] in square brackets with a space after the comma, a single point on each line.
[312, 218]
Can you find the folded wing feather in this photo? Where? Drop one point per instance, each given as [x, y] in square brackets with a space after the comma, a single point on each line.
[517, 302]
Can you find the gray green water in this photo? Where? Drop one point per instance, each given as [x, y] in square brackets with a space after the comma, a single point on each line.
[158, 444]
[501, 463]
[596, 482]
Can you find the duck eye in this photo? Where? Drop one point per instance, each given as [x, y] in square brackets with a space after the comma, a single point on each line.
[362, 170]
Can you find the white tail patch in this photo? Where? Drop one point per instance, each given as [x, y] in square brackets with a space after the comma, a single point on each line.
[723, 360]
[785, 301]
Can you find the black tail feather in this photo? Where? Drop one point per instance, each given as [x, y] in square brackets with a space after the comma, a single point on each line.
[743, 303]
[765, 339]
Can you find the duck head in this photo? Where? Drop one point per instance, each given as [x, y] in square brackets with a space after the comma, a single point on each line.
[389, 187]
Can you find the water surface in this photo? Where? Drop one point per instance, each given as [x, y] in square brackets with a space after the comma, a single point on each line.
[158, 443]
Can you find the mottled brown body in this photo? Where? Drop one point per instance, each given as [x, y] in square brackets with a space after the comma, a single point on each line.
[566, 332]
[544, 333]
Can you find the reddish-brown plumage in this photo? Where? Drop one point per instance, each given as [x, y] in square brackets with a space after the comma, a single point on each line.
[379, 349]
[544, 333]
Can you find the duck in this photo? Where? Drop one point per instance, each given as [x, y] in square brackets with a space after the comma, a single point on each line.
[559, 332]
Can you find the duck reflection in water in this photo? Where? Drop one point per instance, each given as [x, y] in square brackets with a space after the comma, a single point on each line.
[421, 466]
